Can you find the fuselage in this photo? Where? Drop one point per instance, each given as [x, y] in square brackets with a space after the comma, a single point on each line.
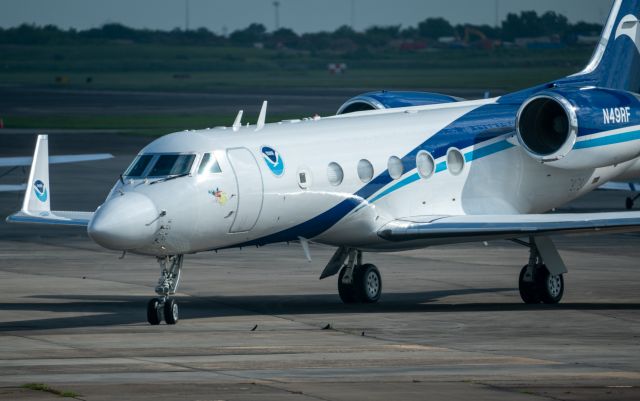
[339, 180]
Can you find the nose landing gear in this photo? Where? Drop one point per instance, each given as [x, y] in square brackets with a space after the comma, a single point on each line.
[164, 306]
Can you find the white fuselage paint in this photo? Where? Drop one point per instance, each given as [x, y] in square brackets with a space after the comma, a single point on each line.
[505, 182]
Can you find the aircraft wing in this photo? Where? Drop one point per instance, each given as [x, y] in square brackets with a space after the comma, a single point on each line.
[621, 186]
[36, 207]
[61, 159]
[56, 218]
[27, 161]
[12, 187]
[470, 228]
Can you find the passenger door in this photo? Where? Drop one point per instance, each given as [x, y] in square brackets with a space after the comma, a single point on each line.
[250, 189]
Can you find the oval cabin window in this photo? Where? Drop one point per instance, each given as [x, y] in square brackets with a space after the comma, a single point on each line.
[455, 161]
[425, 164]
[335, 174]
[395, 167]
[365, 170]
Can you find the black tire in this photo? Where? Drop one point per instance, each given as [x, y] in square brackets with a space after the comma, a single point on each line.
[152, 312]
[346, 291]
[629, 203]
[528, 290]
[550, 288]
[368, 284]
[171, 311]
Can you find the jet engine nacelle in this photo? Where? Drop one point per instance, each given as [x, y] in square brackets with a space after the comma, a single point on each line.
[390, 100]
[564, 127]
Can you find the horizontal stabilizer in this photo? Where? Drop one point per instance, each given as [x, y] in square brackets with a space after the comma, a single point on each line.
[480, 228]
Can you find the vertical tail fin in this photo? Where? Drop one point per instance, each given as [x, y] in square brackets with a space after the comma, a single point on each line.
[37, 196]
[615, 63]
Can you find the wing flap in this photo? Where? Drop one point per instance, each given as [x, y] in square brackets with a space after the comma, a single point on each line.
[486, 227]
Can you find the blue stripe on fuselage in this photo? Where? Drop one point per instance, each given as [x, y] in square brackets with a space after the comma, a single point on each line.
[608, 140]
[478, 126]
[442, 166]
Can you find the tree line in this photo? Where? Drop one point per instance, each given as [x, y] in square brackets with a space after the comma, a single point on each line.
[525, 24]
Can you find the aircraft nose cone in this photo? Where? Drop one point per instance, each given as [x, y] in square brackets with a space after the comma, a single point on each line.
[125, 222]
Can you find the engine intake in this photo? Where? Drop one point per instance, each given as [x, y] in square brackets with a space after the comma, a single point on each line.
[547, 127]
[580, 128]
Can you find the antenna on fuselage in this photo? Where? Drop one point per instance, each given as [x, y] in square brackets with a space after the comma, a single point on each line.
[238, 122]
[262, 117]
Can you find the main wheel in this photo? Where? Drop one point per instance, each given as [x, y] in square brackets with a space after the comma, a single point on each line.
[153, 317]
[550, 287]
[171, 311]
[368, 284]
[528, 289]
[346, 291]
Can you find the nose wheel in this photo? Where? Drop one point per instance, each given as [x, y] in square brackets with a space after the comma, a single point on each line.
[159, 309]
[165, 306]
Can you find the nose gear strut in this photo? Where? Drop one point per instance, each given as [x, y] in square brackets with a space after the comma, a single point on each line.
[164, 306]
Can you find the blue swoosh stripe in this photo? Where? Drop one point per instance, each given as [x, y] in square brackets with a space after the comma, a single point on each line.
[469, 156]
[412, 178]
[487, 151]
[608, 140]
[478, 126]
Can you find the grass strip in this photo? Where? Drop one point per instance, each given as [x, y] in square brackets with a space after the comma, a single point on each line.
[47, 389]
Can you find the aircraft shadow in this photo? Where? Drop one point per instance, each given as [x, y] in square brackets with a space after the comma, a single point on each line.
[131, 310]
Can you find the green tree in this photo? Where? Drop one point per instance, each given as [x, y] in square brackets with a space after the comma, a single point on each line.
[434, 28]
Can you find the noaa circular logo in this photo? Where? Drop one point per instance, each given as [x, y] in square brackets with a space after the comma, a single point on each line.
[273, 160]
[40, 190]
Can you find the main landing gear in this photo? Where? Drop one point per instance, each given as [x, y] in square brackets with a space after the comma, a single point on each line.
[539, 283]
[164, 306]
[357, 282]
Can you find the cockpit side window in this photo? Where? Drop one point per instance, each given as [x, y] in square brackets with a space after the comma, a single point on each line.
[168, 165]
[209, 164]
[138, 166]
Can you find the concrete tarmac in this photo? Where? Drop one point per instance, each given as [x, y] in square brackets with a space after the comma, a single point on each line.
[257, 324]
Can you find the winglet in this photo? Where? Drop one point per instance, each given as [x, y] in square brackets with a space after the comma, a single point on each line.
[37, 197]
[238, 122]
[262, 117]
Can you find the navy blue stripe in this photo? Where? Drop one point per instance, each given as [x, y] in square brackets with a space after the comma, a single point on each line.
[478, 126]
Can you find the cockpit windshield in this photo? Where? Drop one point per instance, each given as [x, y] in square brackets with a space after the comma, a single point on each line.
[160, 165]
[139, 166]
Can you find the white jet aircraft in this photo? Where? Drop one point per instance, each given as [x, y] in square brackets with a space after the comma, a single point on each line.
[393, 171]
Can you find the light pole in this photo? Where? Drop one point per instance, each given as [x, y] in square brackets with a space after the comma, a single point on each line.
[186, 15]
[276, 6]
[353, 14]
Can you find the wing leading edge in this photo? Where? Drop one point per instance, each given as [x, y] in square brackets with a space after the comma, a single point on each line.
[455, 229]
